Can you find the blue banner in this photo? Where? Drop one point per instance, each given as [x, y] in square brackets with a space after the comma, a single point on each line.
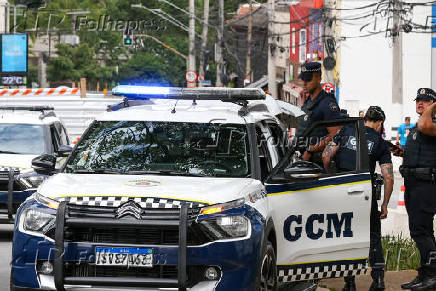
[14, 53]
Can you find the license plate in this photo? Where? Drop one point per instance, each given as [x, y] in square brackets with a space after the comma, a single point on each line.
[129, 257]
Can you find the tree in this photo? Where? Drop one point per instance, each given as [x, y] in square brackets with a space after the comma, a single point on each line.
[73, 63]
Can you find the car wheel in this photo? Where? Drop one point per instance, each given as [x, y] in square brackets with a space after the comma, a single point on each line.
[268, 269]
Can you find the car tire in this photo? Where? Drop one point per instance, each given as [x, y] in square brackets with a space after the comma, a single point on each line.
[267, 273]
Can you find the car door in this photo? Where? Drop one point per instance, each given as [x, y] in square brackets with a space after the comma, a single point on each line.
[322, 224]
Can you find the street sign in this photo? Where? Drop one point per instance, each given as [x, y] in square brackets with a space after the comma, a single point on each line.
[206, 83]
[191, 76]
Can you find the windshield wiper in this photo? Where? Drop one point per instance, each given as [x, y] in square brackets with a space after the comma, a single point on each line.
[98, 171]
[8, 152]
[165, 172]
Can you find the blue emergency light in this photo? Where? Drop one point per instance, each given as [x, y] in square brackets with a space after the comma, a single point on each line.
[210, 93]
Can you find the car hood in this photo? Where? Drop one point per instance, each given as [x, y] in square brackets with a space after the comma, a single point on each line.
[20, 162]
[198, 189]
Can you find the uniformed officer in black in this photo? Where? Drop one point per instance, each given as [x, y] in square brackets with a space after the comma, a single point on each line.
[419, 172]
[343, 149]
[319, 106]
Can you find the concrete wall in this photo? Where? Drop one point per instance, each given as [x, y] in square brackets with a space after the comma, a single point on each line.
[366, 63]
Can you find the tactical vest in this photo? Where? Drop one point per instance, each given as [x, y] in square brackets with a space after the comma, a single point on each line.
[420, 150]
[305, 121]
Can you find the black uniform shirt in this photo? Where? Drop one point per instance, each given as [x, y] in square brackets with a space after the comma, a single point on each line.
[323, 107]
[420, 150]
[327, 109]
[378, 149]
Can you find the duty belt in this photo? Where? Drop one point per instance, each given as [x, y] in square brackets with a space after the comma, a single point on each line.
[425, 174]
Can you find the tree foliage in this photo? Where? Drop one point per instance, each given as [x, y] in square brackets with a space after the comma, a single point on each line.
[102, 52]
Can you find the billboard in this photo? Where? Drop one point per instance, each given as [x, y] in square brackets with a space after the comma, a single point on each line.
[14, 53]
[13, 59]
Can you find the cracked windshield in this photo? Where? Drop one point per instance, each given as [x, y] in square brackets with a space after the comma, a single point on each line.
[136, 147]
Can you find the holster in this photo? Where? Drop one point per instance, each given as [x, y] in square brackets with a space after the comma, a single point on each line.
[424, 174]
[377, 183]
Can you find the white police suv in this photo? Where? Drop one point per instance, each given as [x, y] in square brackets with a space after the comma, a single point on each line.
[193, 191]
[25, 133]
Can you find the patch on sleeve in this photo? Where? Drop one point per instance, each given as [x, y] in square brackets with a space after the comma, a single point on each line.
[333, 106]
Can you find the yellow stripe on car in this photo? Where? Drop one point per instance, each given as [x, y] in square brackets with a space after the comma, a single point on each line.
[317, 188]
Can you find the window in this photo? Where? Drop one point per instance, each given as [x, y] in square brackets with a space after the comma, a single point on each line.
[18, 138]
[203, 149]
[293, 41]
[54, 138]
[303, 45]
[278, 140]
[62, 133]
[264, 156]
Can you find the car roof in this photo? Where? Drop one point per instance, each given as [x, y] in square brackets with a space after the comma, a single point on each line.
[26, 117]
[202, 111]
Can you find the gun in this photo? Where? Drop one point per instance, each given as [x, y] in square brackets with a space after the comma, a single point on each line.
[377, 183]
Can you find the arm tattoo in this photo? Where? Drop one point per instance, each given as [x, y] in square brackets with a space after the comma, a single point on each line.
[387, 171]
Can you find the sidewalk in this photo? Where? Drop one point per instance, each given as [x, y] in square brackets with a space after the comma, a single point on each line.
[393, 280]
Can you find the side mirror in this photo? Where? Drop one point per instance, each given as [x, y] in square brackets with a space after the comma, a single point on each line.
[64, 150]
[44, 164]
[303, 170]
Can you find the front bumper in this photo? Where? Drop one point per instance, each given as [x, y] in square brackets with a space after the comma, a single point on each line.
[10, 197]
[236, 259]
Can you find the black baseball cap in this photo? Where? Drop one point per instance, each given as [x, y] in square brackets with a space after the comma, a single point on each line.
[307, 70]
[425, 94]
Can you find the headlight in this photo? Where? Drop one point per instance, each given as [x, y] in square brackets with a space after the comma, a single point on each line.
[31, 181]
[227, 227]
[46, 201]
[37, 220]
[223, 206]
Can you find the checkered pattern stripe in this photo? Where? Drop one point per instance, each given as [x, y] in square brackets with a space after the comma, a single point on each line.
[115, 201]
[312, 271]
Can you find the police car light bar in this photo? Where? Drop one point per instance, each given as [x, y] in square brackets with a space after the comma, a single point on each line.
[27, 108]
[218, 93]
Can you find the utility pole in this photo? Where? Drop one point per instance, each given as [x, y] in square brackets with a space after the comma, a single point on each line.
[397, 60]
[218, 49]
[272, 84]
[249, 37]
[191, 61]
[204, 40]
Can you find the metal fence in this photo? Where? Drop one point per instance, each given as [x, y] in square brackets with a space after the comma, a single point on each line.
[76, 113]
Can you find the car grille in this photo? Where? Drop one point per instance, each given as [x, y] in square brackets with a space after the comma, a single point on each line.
[195, 274]
[89, 270]
[4, 181]
[144, 235]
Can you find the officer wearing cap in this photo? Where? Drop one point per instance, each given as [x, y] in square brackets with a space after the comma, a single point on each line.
[319, 106]
[343, 148]
[419, 172]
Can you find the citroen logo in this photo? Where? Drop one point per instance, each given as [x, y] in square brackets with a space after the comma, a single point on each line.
[129, 208]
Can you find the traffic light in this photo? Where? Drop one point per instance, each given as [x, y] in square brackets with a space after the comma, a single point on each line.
[331, 45]
[128, 37]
